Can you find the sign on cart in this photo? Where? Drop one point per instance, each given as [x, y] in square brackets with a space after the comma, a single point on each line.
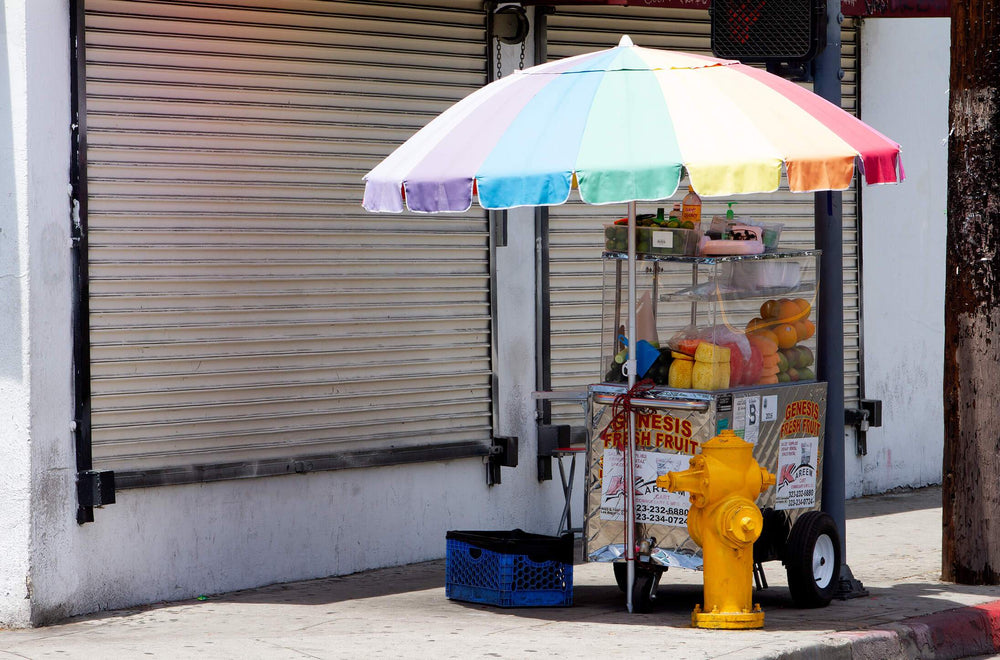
[796, 487]
[652, 505]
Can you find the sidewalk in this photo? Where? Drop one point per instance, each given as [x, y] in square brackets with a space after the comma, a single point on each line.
[894, 548]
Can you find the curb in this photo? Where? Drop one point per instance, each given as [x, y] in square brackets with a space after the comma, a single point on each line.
[956, 633]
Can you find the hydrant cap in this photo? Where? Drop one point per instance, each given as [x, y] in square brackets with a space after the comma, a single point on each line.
[727, 439]
[743, 523]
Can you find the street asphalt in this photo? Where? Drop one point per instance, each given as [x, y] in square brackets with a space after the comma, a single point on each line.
[893, 547]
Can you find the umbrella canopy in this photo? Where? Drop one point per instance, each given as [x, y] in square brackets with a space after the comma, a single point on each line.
[623, 124]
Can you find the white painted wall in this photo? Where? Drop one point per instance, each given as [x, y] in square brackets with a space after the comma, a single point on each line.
[904, 94]
[36, 471]
[15, 467]
[178, 542]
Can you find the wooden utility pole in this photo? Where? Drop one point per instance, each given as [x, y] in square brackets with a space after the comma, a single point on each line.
[971, 507]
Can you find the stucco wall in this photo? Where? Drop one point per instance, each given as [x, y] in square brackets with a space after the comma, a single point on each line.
[36, 470]
[179, 542]
[14, 396]
[904, 93]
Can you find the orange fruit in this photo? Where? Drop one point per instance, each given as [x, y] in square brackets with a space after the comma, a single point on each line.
[769, 309]
[788, 310]
[787, 337]
[755, 324]
[804, 306]
[805, 329]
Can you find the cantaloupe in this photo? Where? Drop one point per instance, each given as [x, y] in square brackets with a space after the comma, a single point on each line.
[708, 352]
[766, 345]
[710, 375]
[679, 376]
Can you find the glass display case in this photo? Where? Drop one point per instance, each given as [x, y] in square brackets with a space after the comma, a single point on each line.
[713, 323]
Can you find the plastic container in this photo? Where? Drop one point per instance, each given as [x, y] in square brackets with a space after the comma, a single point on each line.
[652, 240]
[509, 568]
[770, 233]
[765, 275]
[724, 247]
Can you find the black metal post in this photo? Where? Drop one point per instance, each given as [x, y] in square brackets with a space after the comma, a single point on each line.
[830, 334]
[543, 320]
[81, 281]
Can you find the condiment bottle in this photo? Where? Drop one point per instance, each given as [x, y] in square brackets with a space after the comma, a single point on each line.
[692, 209]
[675, 216]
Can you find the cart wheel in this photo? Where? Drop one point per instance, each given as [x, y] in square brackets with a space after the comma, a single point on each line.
[644, 589]
[773, 535]
[644, 592]
[812, 559]
[621, 574]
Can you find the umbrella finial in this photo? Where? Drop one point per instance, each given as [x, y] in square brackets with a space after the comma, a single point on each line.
[625, 41]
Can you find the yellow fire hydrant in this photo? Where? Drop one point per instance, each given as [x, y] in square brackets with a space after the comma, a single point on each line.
[724, 481]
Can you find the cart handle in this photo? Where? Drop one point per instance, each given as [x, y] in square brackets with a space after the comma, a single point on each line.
[662, 404]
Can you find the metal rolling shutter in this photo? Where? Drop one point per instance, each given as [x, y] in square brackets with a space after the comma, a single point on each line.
[575, 237]
[244, 309]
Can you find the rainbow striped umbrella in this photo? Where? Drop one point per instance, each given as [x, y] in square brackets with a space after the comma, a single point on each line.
[623, 124]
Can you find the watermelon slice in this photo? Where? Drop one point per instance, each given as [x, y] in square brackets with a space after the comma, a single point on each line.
[735, 364]
[688, 346]
[752, 369]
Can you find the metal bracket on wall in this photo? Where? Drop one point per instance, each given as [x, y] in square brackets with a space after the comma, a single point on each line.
[95, 488]
[550, 438]
[869, 415]
[503, 453]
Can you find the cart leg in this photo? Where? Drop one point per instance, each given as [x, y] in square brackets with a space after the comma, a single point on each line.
[566, 521]
[758, 576]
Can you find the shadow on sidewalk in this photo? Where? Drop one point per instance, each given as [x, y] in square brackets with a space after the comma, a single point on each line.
[901, 500]
[420, 587]
[606, 605]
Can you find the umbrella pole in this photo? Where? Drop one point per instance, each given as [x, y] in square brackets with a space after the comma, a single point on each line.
[631, 367]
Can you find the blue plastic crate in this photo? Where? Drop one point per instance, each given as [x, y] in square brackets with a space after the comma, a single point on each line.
[479, 574]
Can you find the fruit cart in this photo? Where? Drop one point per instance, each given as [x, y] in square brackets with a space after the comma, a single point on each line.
[533, 138]
[723, 342]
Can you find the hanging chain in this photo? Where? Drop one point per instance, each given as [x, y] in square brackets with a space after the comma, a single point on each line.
[520, 64]
[498, 60]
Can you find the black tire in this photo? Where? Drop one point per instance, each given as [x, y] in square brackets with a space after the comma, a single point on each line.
[644, 589]
[812, 560]
[773, 536]
[621, 575]
[642, 592]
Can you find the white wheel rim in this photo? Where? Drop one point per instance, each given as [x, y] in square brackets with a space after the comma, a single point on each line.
[823, 561]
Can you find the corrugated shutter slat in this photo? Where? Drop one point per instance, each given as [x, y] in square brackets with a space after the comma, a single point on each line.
[243, 306]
